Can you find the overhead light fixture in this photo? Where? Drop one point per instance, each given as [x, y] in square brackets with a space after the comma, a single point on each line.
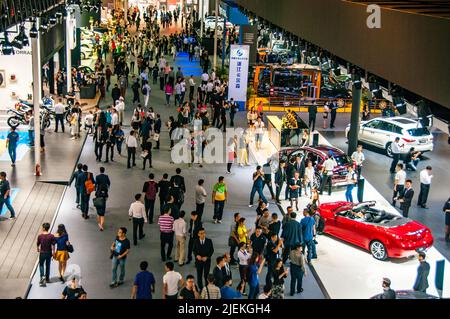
[21, 39]
[44, 25]
[7, 48]
[34, 31]
[52, 20]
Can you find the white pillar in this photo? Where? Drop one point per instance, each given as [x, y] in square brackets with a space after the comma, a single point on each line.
[201, 18]
[125, 7]
[215, 35]
[68, 53]
[36, 68]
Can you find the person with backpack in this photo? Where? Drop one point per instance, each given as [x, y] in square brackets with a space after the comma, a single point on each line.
[87, 186]
[150, 190]
[75, 177]
[210, 291]
[102, 186]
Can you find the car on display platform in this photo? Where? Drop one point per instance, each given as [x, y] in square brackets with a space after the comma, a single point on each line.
[384, 234]
[381, 132]
[210, 23]
[408, 294]
[318, 155]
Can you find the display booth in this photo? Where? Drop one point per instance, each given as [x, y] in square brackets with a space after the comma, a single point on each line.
[15, 73]
[285, 131]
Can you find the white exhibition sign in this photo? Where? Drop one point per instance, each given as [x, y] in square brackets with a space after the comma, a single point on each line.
[238, 74]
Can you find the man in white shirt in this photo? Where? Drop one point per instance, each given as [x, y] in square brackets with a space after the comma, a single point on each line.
[213, 75]
[327, 178]
[259, 132]
[209, 90]
[183, 90]
[205, 78]
[59, 115]
[396, 149]
[172, 280]
[120, 107]
[137, 213]
[200, 198]
[132, 144]
[425, 182]
[146, 89]
[399, 183]
[178, 94]
[191, 88]
[180, 229]
[114, 118]
[358, 158]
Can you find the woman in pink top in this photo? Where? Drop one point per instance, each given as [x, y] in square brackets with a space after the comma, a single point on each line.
[169, 92]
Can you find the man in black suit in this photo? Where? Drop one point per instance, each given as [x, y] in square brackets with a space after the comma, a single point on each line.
[312, 111]
[115, 93]
[290, 170]
[218, 272]
[226, 269]
[406, 198]
[280, 178]
[178, 180]
[423, 270]
[203, 250]
[164, 187]
[299, 167]
[333, 108]
[157, 129]
[388, 293]
[194, 226]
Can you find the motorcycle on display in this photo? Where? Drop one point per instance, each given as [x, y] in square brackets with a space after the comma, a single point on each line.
[17, 119]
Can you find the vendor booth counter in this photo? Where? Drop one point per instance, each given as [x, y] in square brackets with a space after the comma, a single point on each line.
[285, 131]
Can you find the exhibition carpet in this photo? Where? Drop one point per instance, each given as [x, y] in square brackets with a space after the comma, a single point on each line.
[188, 68]
[22, 147]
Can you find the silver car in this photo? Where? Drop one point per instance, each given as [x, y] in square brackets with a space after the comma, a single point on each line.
[381, 132]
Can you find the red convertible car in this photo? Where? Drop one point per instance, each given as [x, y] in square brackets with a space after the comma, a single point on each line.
[384, 234]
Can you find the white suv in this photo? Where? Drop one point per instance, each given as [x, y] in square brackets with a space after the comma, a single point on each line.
[381, 132]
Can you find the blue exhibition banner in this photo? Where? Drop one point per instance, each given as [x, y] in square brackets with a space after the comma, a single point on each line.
[439, 279]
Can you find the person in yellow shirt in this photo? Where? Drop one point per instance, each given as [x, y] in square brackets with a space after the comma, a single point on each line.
[242, 232]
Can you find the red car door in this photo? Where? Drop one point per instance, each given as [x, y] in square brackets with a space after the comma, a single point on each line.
[345, 228]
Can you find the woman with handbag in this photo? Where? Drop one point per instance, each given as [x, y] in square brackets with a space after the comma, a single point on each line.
[63, 246]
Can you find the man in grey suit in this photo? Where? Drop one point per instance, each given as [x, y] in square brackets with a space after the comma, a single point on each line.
[423, 270]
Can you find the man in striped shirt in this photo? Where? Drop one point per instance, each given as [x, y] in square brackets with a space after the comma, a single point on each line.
[165, 223]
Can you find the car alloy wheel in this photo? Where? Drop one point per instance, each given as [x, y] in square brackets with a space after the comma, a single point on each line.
[378, 250]
[389, 149]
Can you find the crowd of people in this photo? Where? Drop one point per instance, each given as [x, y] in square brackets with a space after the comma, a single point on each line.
[281, 246]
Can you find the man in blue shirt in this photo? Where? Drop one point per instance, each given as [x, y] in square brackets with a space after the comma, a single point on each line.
[308, 230]
[11, 143]
[228, 292]
[258, 185]
[144, 283]
[5, 193]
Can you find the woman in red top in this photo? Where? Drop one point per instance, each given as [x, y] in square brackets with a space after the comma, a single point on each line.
[169, 92]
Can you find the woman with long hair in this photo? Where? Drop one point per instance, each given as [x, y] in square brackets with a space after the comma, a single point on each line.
[278, 276]
[61, 254]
